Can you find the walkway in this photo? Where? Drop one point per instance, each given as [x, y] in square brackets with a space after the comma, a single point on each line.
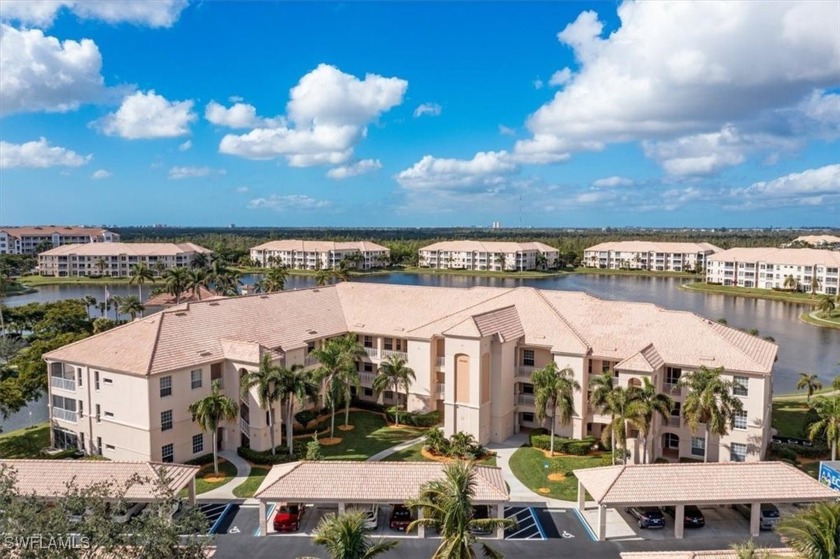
[389, 451]
[225, 492]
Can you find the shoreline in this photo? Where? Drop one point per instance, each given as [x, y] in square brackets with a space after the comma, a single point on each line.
[752, 293]
[809, 318]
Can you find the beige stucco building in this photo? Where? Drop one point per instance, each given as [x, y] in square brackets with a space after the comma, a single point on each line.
[125, 393]
[769, 268]
[320, 255]
[117, 259]
[488, 255]
[647, 255]
[24, 240]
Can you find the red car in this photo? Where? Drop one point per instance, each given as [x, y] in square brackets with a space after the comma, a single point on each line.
[287, 518]
[400, 517]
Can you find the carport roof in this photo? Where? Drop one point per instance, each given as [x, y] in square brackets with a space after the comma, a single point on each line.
[702, 483]
[47, 479]
[706, 554]
[367, 482]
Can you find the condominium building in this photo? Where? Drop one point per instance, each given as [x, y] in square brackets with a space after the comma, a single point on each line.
[319, 255]
[647, 255]
[125, 393]
[488, 255]
[770, 268]
[817, 240]
[25, 240]
[117, 259]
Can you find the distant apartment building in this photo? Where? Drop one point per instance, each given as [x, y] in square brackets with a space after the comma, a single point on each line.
[770, 268]
[25, 240]
[320, 255]
[125, 393]
[819, 241]
[648, 255]
[117, 259]
[488, 255]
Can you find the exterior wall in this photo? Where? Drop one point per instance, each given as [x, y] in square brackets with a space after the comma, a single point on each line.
[478, 260]
[319, 260]
[655, 261]
[115, 265]
[13, 242]
[766, 275]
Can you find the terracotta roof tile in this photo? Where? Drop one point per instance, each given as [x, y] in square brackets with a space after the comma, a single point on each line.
[651, 246]
[128, 249]
[319, 246]
[789, 256]
[488, 246]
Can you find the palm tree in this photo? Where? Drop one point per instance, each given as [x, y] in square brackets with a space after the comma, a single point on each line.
[139, 274]
[447, 506]
[323, 277]
[826, 306]
[827, 424]
[266, 380]
[101, 264]
[710, 401]
[394, 373]
[500, 261]
[790, 283]
[175, 281]
[115, 301]
[814, 285]
[328, 374]
[159, 267]
[210, 411]
[258, 287]
[602, 386]
[554, 390]
[227, 282]
[275, 280]
[351, 350]
[199, 260]
[811, 382]
[625, 409]
[813, 532]
[345, 537]
[89, 301]
[294, 384]
[197, 279]
[131, 306]
[651, 403]
[341, 273]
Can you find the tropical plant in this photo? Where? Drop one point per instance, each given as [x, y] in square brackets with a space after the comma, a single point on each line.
[651, 404]
[625, 410]
[790, 283]
[500, 261]
[212, 410]
[199, 260]
[341, 273]
[749, 550]
[313, 449]
[554, 390]
[294, 384]
[275, 280]
[197, 279]
[826, 425]
[394, 373]
[266, 382]
[814, 285]
[89, 301]
[710, 401]
[175, 281]
[826, 306]
[101, 264]
[813, 532]
[437, 442]
[159, 267]
[140, 273]
[345, 537]
[351, 350]
[447, 506]
[601, 387]
[323, 276]
[809, 382]
[131, 306]
[332, 364]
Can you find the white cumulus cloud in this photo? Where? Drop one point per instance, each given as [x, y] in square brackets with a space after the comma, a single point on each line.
[560, 77]
[612, 182]
[39, 154]
[148, 115]
[100, 174]
[288, 202]
[820, 186]
[185, 145]
[176, 173]
[151, 13]
[485, 169]
[429, 109]
[354, 169]
[240, 115]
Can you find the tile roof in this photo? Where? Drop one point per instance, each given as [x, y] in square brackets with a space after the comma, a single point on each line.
[47, 479]
[319, 246]
[487, 246]
[40, 230]
[646, 361]
[168, 300]
[705, 554]
[367, 482]
[818, 239]
[788, 256]
[701, 483]
[128, 249]
[502, 322]
[651, 246]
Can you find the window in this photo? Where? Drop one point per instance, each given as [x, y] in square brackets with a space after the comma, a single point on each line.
[98, 412]
[166, 420]
[310, 347]
[165, 386]
[672, 441]
[368, 367]
[527, 388]
[368, 341]
[739, 421]
[672, 375]
[528, 417]
[107, 380]
[195, 379]
[198, 443]
[109, 447]
[79, 370]
[96, 379]
[740, 386]
[389, 343]
[109, 414]
[167, 453]
[528, 357]
[216, 374]
[368, 392]
[739, 452]
[698, 446]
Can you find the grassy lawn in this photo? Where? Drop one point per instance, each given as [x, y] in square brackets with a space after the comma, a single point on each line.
[227, 472]
[790, 297]
[34, 281]
[527, 464]
[789, 417]
[531, 274]
[248, 487]
[370, 435]
[414, 454]
[25, 443]
[648, 273]
[817, 319]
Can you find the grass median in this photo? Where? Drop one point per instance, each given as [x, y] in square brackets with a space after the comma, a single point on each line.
[557, 481]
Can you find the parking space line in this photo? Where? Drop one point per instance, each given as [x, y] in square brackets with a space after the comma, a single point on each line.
[216, 524]
[586, 526]
[537, 522]
[267, 516]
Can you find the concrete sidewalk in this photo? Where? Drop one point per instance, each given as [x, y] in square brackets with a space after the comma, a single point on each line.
[225, 492]
[389, 451]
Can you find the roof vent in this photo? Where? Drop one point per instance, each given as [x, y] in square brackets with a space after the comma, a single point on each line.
[707, 358]
[214, 304]
[311, 331]
[316, 290]
[263, 296]
[180, 314]
[205, 354]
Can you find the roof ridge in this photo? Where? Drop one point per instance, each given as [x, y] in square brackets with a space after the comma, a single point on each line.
[562, 318]
[504, 291]
[711, 326]
[620, 471]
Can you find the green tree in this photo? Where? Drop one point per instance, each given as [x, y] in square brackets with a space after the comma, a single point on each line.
[814, 285]
[351, 350]
[809, 382]
[790, 283]
[131, 306]
[827, 422]
[826, 306]
[101, 264]
[813, 532]
[275, 280]
[447, 506]
[89, 301]
[140, 274]
[266, 382]
[324, 276]
[199, 260]
[102, 324]
[394, 373]
[197, 279]
[175, 280]
[332, 364]
[345, 536]
[212, 410]
[601, 387]
[625, 409]
[710, 401]
[294, 385]
[651, 403]
[554, 390]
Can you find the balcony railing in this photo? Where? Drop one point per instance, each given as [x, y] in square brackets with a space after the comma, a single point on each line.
[64, 415]
[367, 378]
[388, 353]
[440, 361]
[672, 388]
[674, 421]
[441, 390]
[372, 352]
[243, 425]
[310, 360]
[526, 399]
[525, 370]
[63, 383]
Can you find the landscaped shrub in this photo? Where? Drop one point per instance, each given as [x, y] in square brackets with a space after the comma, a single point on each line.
[661, 460]
[578, 447]
[305, 417]
[201, 460]
[313, 449]
[429, 419]
[783, 450]
[459, 445]
[436, 442]
[535, 433]
[281, 456]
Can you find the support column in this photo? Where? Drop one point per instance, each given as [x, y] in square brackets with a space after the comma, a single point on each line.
[500, 513]
[263, 519]
[581, 500]
[755, 519]
[679, 522]
[602, 523]
[341, 508]
[191, 492]
[421, 529]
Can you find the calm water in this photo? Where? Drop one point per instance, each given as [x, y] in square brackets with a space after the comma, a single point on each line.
[802, 347]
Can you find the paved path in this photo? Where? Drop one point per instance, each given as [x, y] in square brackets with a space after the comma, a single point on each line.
[389, 451]
[225, 492]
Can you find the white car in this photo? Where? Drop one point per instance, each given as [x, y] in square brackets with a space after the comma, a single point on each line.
[123, 512]
[371, 514]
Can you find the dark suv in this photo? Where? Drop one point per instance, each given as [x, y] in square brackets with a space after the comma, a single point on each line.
[693, 517]
[648, 517]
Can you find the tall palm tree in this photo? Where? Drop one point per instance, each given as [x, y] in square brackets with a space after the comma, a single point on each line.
[332, 364]
[140, 273]
[790, 283]
[815, 284]
[351, 350]
[130, 305]
[197, 279]
[827, 425]
[266, 380]
[114, 301]
[601, 387]
[341, 273]
[813, 532]
[175, 281]
[89, 301]
[447, 506]
[159, 267]
[651, 404]
[345, 537]
[709, 401]
[826, 306]
[554, 390]
[101, 264]
[228, 282]
[323, 276]
[275, 280]
[394, 373]
[294, 384]
[811, 382]
[212, 410]
[199, 260]
[625, 410]
[500, 261]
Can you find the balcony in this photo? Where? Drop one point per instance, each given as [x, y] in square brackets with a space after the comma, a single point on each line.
[440, 361]
[372, 352]
[674, 389]
[441, 390]
[367, 378]
[63, 383]
[310, 360]
[525, 400]
[525, 370]
[387, 353]
[243, 425]
[674, 421]
[64, 415]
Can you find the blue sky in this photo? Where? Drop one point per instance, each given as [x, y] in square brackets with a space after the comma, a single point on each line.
[420, 114]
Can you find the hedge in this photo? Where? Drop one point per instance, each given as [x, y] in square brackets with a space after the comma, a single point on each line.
[304, 417]
[265, 456]
[577, 447]
[367, 405]
[201, 460]
[417, 419]
[783, 450]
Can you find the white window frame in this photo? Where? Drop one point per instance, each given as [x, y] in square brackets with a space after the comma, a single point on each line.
[166, 420]
[695, 448]
[166, 386]
[739, 421]
[741, 386]
[198, 443]
[735, 456]
[193, 378]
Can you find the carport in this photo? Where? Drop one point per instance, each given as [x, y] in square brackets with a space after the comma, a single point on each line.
[47, 479]
[383, 483]
[713, 483]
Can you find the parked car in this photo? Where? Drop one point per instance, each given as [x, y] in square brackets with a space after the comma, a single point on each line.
[122, 512]
[769, 514]
[371, 514]
[693, 517]
[400, 517]
[648, 517]
[288, 516]
[481, 512]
